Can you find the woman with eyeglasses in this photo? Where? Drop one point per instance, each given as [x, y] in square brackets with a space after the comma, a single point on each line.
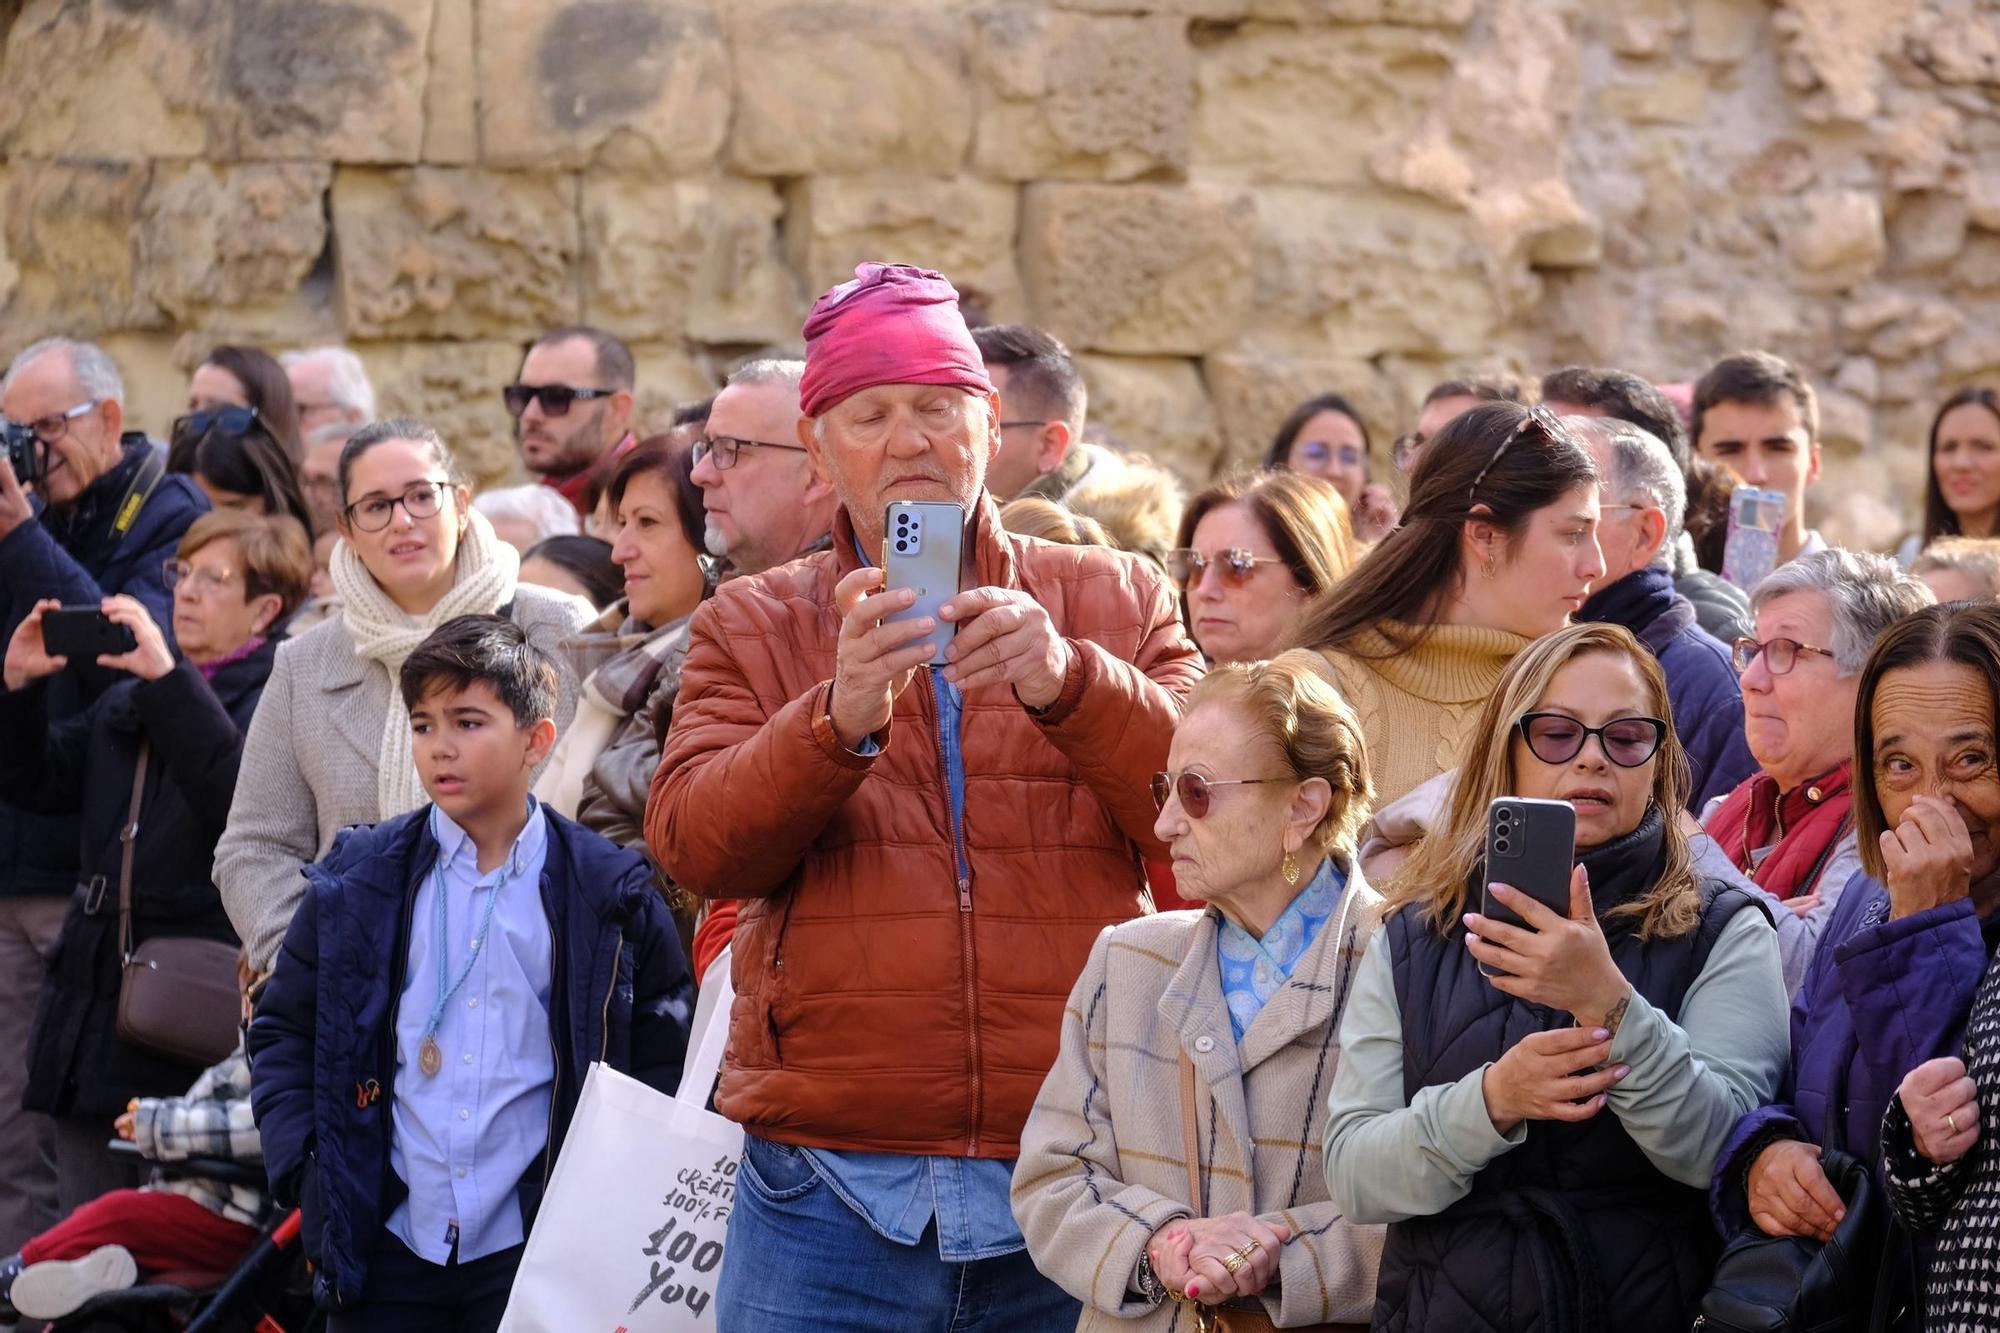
[249, 379]
[235, 578]
[1535, 1110]
[1326, 437]
[238, 463]
[330, 746]
[1168, 1160]
[1253, 553]
[1497, 548]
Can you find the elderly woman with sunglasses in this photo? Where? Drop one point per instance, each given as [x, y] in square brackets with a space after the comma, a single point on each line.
[1169, 1157]
[330, 744]
[1253, 553]
[1535, 1109]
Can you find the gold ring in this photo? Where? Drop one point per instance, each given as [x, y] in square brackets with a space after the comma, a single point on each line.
[1234, 1262]
[1949, 1121]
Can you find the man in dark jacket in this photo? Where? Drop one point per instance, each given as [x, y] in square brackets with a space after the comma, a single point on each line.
[1641, 519]
[101, 519]
[416, 1210]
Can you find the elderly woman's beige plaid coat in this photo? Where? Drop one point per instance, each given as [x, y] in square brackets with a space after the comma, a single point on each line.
[1103, 1163]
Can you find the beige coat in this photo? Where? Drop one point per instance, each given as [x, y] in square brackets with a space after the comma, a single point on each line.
[310, 758]
[1102, 1159]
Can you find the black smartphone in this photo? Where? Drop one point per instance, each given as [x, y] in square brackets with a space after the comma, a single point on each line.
[1530, 846]
[84, 634]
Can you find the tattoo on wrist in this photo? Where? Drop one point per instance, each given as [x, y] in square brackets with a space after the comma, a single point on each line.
[1616, 1015]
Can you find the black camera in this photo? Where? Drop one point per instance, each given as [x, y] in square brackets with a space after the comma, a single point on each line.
[26, 454]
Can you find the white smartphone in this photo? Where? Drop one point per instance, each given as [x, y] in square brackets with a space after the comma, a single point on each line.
[921, 552]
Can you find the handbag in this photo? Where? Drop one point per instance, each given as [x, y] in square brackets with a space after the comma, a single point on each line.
[1247, 1316]
[176, 996]
[1770, 1284]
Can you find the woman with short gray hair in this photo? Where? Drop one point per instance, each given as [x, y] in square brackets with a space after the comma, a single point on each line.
[1788, 831]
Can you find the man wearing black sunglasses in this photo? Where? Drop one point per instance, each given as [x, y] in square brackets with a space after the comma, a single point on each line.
[572, 407]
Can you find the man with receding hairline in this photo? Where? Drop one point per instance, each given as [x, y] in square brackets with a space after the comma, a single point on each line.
[1042, 409]
[572, 407]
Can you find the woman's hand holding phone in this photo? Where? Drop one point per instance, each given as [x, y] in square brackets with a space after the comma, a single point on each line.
[28, 658]
[1561, 962]
[1550, 1075]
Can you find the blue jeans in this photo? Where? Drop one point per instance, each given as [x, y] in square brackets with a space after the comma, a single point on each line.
[799, 1260]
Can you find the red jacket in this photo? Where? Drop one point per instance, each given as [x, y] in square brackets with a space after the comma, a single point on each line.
[881, 1005]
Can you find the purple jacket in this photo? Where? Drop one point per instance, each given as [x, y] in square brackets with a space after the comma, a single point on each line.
[1880, 998]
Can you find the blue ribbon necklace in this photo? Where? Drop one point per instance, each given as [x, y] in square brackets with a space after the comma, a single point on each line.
[430, 1058]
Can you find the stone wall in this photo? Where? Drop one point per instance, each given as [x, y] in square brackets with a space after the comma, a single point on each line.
[1224, 205]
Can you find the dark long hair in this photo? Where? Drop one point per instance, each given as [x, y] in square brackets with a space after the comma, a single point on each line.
[1939, 520]
[252, 463]
[1500, 457]
[269, 390]
[1967, 633]
[1281, 443]
[671, 460]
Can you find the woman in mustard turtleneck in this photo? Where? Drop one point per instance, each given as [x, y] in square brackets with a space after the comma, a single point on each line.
[1497, 548]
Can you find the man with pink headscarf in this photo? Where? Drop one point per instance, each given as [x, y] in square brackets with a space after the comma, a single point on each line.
[927, 855]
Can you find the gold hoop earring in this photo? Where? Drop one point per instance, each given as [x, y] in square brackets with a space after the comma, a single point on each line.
[1290, 869]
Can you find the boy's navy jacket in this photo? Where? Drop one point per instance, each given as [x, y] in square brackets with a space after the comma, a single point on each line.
[322, 1046]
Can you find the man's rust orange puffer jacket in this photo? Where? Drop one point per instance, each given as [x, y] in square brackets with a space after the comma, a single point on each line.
[880, 1005]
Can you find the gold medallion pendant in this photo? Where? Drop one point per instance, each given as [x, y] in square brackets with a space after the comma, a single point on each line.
[429, 1058]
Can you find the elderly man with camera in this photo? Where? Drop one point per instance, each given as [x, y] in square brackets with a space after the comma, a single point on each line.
[86, 513]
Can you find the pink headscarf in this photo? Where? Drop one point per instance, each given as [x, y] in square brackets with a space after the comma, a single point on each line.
[893, 324]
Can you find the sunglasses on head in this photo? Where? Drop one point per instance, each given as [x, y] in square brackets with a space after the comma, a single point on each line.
[556, 398]
[1235, 566]
[228, 420]
[1195, 790]
[1557, 738]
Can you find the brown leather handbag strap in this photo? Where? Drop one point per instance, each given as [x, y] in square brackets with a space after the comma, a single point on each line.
[129, 836]
[1190, 1137]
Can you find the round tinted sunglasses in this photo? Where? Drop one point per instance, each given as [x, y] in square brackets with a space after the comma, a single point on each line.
[1195, 790]
[1235, 566]
[1557, 738]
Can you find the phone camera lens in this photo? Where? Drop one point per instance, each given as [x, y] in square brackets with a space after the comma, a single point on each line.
[1501, 845]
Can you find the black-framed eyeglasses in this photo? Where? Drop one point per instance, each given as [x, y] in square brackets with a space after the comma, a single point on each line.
[229, 420]
[422, 500]
[1557, 738]
[1537, 416]
[724, 448]
[1780, 655]
[1195, 790]
[1235, 565]
[53, 427]
[556, 398]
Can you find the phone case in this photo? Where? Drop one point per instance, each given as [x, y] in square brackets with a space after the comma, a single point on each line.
[1530, 845]
[920, 551]
[84, 634]
[1751, 549]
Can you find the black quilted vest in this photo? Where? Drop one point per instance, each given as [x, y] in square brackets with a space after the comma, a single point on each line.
[1574, 1231]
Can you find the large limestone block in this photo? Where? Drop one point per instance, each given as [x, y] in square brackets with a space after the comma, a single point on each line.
[454, 387]
[1836, 238]
[69, 239]
[106, 81]
[332, 79]
[695, 258]
[962, 228]
[1361, 273]
[1139, 269]
[451, 115]
[1308, 106]
[1255, 392]
[225, 240]
[1833, 52]
[632, 84]
[846, 86]
[155, 372]
[1156, 406]
[669, 375]
[1070, 96]
[445, 252]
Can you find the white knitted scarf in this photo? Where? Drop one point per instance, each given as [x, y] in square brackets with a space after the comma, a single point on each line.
[482, 583]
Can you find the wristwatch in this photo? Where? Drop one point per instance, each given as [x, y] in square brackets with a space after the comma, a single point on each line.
[1147, 1283]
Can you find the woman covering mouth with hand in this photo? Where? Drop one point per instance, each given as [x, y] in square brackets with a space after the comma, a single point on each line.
[1540, 1141]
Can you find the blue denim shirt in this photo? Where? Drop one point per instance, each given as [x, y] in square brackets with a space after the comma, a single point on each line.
[1252, 968]
[899, 1194]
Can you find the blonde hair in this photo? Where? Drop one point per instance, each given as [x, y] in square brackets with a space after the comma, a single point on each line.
[1975, 557]
[1433, 880]
[1318, 735]
[1033, 516]
[1137, 502]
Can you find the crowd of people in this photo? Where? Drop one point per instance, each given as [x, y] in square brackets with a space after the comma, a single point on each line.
[1114, 937]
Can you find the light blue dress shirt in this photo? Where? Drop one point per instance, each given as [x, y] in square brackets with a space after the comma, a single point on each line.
[462, 1140]
[898, 1194]
[1252, 968]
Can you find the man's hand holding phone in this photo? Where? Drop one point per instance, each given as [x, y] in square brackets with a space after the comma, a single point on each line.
[1561, 962]
[1005, 637]
[874, 659]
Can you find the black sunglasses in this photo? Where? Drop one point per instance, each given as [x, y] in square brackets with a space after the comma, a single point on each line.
[228, 420]
[1557, 738]
[556, 398]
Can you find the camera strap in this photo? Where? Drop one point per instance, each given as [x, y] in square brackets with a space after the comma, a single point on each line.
[143, 483]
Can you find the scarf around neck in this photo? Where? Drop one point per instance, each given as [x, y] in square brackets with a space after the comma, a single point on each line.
[483, 579]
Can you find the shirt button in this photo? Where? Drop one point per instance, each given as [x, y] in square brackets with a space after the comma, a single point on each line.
[472, 1003]
[461, 1173]
[1204, 1044]
[464, 1114]
[468, 1057]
